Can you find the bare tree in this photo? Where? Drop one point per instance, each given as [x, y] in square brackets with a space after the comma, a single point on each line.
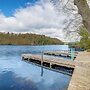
[68, 7]
[73, 19]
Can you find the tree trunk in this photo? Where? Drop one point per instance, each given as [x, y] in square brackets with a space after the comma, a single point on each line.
[84, 11]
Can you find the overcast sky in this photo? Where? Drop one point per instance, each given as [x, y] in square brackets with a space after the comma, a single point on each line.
[32, 16]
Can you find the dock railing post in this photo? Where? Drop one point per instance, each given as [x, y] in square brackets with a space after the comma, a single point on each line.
[72, 53]
[42, 63]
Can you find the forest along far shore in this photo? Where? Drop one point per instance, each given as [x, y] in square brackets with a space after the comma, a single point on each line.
[27, 39]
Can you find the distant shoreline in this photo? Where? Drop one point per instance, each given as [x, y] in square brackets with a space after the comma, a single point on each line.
[27, 45]
[27, 39]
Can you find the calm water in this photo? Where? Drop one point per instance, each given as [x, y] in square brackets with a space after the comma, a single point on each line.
[16, 74]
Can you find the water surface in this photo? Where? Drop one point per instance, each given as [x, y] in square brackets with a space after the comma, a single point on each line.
[16, 74]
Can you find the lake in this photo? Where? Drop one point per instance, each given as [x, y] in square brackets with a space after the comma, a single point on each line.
[16, 74]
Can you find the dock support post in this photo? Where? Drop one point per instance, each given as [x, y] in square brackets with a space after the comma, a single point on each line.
[50, 65]
[72, 54]
[42, 64]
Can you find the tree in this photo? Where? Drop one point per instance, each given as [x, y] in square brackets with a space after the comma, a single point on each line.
[69, 8]
[85, 40]
[84, 11]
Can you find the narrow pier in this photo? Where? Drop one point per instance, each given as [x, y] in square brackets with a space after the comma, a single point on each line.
[51, 61]
[64, 53]
[56, 64]
[81, 76]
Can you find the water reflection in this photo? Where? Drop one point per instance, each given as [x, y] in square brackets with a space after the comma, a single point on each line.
[19, 75]
[11, 82]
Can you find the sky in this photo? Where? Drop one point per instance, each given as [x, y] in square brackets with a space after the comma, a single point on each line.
[9, 6]
[32, 16]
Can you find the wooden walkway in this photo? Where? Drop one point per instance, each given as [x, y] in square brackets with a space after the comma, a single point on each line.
[64, 53]
[81, 77]
[51, 61]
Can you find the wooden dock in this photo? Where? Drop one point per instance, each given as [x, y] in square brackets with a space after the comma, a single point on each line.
[64, 53]
[81, 76]
[49, 60]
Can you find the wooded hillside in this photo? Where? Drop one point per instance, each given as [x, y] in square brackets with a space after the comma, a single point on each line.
[26, 39]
